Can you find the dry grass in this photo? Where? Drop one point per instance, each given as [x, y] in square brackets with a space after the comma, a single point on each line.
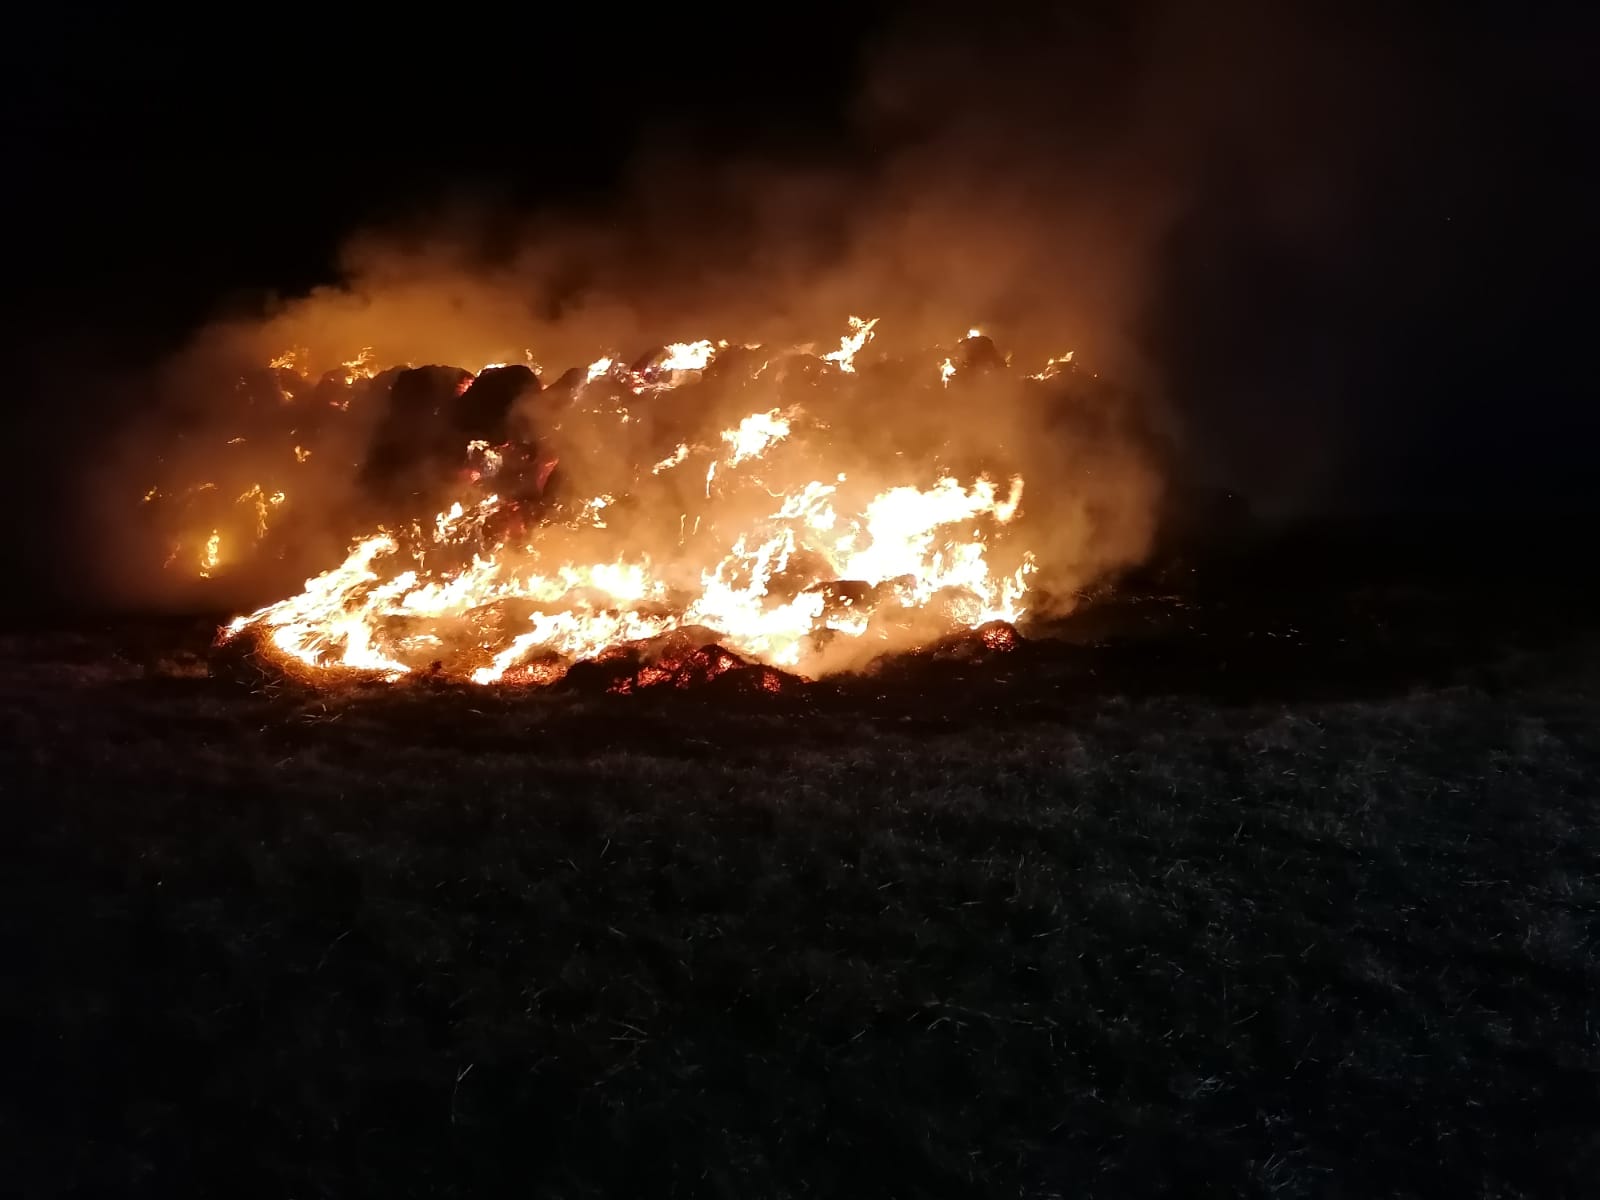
[993, 931]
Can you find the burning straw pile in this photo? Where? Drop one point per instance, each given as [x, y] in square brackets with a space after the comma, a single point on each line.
[707, 511]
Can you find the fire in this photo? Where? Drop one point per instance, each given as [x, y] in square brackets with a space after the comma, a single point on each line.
[782, 559]
[850, 345]
[262, 505]
[360, 367]
[212, 555]
[1054, 366]
[753, 435]
[688, 356]
[671, 460]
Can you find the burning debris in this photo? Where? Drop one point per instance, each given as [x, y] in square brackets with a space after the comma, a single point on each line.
[678, 662]
[711, 513]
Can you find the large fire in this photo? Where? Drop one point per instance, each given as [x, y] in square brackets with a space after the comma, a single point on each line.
[751, 520]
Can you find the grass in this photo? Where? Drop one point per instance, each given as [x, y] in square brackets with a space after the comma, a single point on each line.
[1044, 925]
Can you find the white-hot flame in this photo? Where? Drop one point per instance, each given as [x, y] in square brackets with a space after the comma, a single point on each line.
[754, 434]
[688, 356]
[850, 345]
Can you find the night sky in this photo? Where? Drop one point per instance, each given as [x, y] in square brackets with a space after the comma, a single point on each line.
[1420, 341]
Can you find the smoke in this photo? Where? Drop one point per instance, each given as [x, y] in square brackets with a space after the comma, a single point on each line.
[1027, 177]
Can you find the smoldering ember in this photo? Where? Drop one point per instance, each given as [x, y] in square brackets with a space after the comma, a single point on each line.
[773, 501]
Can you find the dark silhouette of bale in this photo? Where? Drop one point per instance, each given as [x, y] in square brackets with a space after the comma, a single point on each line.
[335, 389]
[608, 673]
[568, 382]
[415, 446]
[877, 395]
[753, 681]
[293, 385]
[647, 365]
[736, 365]
[978, 354]
[268, 387]
[378, 387]
[260, 398]
[332, 389]
[484, 409]
[894, 376]
[801, 376]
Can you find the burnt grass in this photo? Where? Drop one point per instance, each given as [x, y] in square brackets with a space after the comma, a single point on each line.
[1222, 888]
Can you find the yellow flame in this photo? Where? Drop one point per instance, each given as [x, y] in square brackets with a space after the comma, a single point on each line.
[905, 538]
[786, 577]
[671, 460]
[754, 435]
[359, 367]
[1053, 367]
[258, 499]
[850, 345]
[689, 356]
[211, 555]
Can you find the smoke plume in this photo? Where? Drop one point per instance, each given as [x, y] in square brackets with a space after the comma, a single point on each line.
[1022, 177]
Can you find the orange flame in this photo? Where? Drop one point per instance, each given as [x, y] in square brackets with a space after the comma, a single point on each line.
[779, 566]
[850, 345]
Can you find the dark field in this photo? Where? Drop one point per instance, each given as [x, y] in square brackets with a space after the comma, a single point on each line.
[1237, 890]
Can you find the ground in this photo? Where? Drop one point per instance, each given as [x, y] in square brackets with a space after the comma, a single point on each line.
[1290, 897]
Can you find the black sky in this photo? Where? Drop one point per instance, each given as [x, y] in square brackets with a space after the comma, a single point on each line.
[1419, 341]
[186, 163]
